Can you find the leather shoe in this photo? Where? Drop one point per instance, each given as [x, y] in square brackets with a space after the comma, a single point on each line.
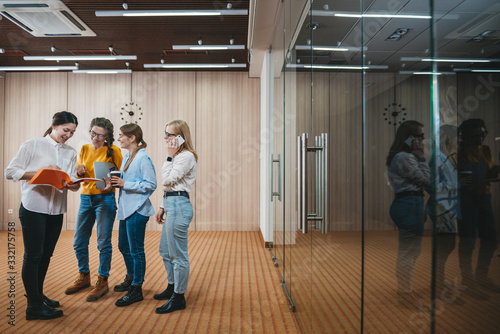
[177, 302]
[134, 294]
[42, 312]
[49, 302]
[167, 294]
[125, 285]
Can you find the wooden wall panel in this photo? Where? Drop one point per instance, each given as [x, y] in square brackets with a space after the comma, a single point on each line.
[228, 140]
[164, 96]
[344, 156]
[91, 96]
[31, 99]
[222, 110]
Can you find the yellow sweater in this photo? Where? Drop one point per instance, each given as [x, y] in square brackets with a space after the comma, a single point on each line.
[87, 157]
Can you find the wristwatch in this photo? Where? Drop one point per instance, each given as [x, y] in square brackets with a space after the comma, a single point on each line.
[169, 159]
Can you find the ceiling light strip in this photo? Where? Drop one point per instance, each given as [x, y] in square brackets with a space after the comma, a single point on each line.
[328, 48]
[426, 73]
[449, 60]
[208, 47]
[38, 68]
[193, 65]
[201, 12]
[110, 71]
[340, 67]
[369, 15]
[73, 58]
[483, 70]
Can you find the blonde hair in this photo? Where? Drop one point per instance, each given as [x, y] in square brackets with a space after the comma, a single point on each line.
[180, 127]
[130, 130]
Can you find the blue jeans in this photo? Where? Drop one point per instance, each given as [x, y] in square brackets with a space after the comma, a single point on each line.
[174, 241]
[103, 209]
[408, 215]
[131, 244]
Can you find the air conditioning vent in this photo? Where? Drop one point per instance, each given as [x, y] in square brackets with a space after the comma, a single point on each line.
[44, 18]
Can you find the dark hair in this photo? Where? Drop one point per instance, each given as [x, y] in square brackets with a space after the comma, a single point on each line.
[406, 129]
[62, 117]
[108, 126]
[130, 130]
[467, 127]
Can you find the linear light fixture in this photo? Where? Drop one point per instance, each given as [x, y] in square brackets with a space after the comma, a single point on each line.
[110, 71]
[208, 47]
[339, 67]
[38, 68]
[375, 15]
[328, 48]
[201, 12]
[449, 60]
[426, 72]
[193, 65]
[481, 70]
[75, 58]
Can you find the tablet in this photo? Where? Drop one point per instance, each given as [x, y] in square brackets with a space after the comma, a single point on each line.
[102, 169]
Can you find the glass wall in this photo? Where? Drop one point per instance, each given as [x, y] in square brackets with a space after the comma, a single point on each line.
[386, 118]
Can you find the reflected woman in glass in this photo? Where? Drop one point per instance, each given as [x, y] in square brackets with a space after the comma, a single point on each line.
[442, 206]
[408, 175]
[476, 167]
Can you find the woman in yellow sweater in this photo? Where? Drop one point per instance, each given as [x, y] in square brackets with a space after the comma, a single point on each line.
[95, 205]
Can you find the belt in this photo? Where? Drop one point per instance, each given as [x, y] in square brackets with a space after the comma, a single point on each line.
[175, 193]
[409, 193]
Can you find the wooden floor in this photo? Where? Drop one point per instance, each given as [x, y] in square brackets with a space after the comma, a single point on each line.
[233, 288]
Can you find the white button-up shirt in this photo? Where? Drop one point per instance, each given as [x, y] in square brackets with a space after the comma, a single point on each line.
[180, 173]
[34, 154]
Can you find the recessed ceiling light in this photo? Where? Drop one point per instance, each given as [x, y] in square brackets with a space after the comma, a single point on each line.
[73, 58]
[201, 12]
[193, 65]
[37, 68]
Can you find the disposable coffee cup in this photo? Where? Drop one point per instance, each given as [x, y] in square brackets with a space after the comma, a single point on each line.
[116, 173]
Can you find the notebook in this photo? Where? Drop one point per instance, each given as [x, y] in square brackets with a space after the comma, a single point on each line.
[102, 169]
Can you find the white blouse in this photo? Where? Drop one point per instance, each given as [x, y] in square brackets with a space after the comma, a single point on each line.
[180, 173]
[34, 154]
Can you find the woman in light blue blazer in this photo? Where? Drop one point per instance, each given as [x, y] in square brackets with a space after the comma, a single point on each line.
[137, 183]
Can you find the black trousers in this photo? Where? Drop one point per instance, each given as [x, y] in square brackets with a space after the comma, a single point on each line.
[40, 235]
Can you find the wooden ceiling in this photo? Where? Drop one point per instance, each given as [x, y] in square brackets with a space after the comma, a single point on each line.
[150, 38]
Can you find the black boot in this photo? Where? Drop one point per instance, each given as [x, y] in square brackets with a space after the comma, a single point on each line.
[177, 302]
[42, 312]
[165, 294]
[49, 302]
[134, 294]
[125, 285]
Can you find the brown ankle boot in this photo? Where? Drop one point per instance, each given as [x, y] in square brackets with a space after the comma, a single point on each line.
[81, 282]
[100, 289]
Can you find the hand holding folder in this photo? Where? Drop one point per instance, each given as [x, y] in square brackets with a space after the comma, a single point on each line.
[54, 177]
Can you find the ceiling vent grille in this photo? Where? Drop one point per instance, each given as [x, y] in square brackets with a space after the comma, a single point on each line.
[45, 18]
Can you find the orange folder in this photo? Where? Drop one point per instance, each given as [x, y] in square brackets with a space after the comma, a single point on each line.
[54, 177]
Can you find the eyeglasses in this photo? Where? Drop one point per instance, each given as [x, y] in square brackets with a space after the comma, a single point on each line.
[169, 134]
[93, 134]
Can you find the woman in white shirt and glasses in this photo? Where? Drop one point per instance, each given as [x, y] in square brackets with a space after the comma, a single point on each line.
[42, 207]
[178, 177]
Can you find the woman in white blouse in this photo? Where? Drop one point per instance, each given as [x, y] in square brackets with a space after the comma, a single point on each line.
[42, 207]
[178, 177]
